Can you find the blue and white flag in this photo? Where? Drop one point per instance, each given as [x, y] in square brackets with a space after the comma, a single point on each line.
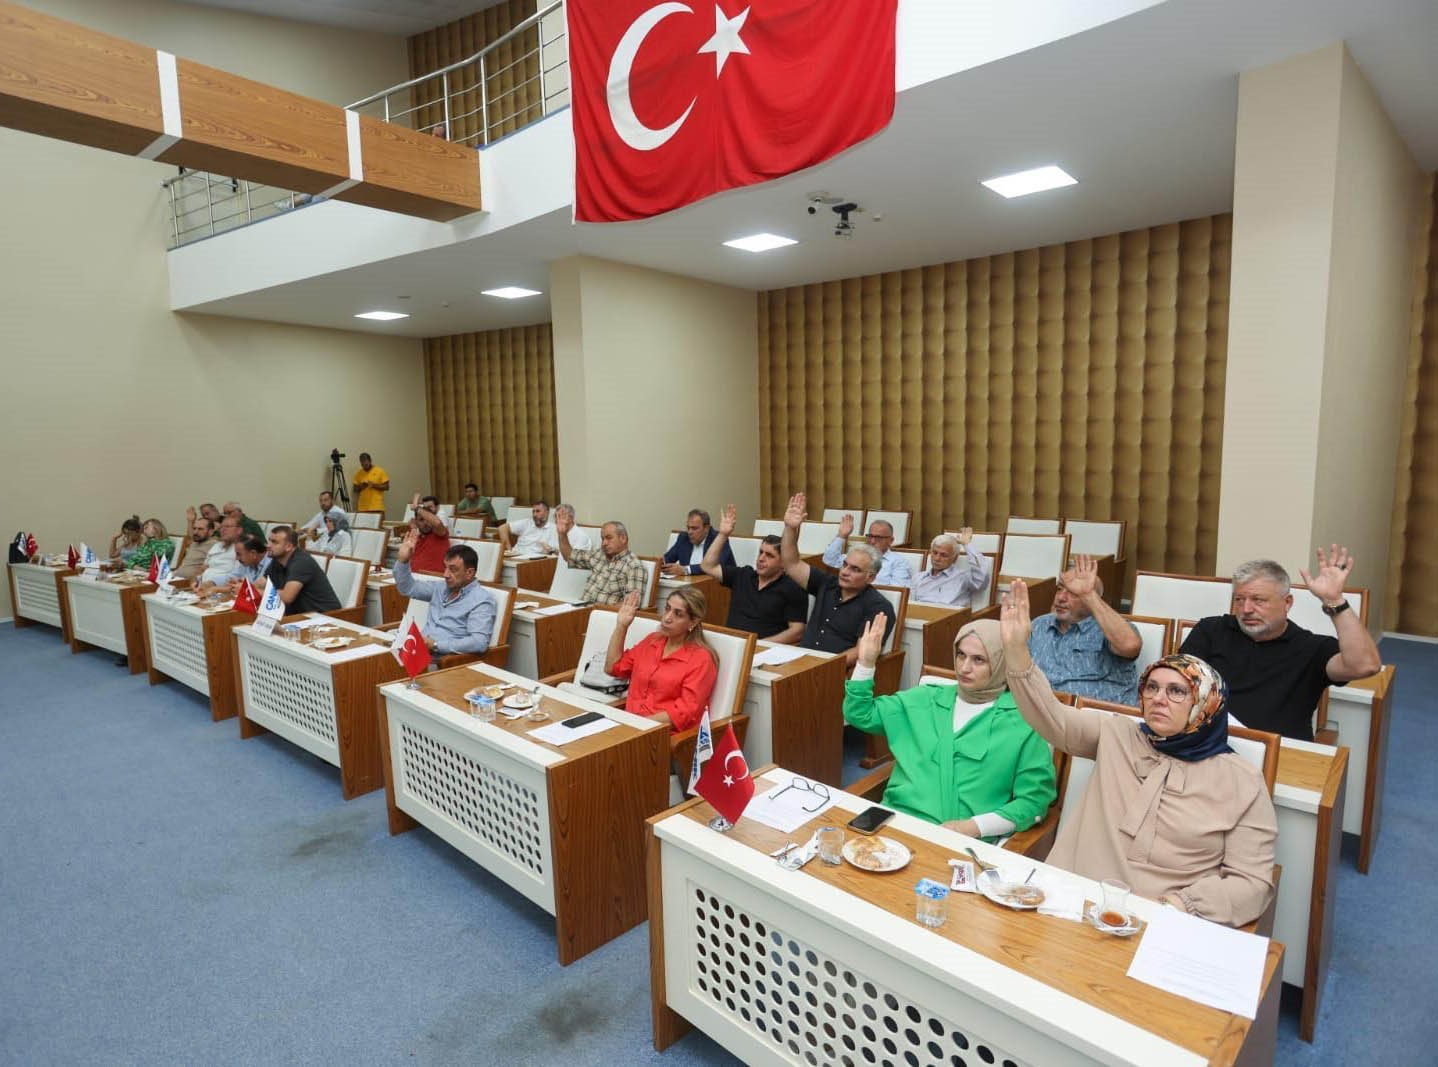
[272, 610]
[703, 749]
[162, 573]
[87, 558]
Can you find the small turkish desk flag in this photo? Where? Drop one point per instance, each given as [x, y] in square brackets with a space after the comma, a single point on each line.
[671, 104]
[154, 574]
[411, 651]
[725, 781]
[245, 598]
[72, 557]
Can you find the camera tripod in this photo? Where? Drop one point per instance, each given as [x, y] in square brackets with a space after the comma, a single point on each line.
[339, 484]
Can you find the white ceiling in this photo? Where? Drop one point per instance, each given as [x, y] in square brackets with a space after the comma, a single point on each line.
[404, 17]
[1141, 111]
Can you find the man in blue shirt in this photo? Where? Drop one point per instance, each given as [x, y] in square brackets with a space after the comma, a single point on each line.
[893, 570]
[461, 611]
[686, 555]
[1083, 646]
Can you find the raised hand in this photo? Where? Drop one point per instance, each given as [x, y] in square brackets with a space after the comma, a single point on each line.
[628, 607]
[1083, 579]
[965, 536]
[1015, 625]
[408, 545]
[795, 514]
[563, 522]
[728, 519]
[846, 527]
[1328, 581]
[871, 641]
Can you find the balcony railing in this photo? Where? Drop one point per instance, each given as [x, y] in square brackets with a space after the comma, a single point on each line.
[515, 80]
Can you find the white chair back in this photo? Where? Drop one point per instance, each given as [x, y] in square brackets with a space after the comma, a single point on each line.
[745, 549]
[1019, 524]
[369, 544]
[416, 610]
[985, 597]
[814, 537]
[674, 536]
[1095, 538]
[899, 520]
[491, 557]
[651, 581]
[464, 526]
[408, 512]
[991, 544]
[502, 504]
[1034, 555]
[765, 527]
[1174, 596]
[348, 577]
[899, 600]
[446, 511]
[1181, 629]
[514, 513]
[917, 560]
[323, 559]
[1307, 610]
[837, 515]
[593, 533]
[1155, 634]
[364, 520]
[504, 598]
[179, 553]
[568, 582]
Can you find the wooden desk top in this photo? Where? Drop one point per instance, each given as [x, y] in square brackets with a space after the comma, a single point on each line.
[1315, 769]
[1070, 957]
[449, 687]
[921, 614]
[793, 667]
[1376, 684]
[544, 600]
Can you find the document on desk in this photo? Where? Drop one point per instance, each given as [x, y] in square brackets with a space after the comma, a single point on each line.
[778, 655]
[788, 807]
[1203, 961]
[559, 734]
[556, 609]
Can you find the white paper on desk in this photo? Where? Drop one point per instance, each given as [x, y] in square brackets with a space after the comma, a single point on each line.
[522, 557]
[777, 656]
[1203, 961]
[358, 652]
[556, 733]
[1062, 898]
[556, 609]
[783, 808]
[522, 605]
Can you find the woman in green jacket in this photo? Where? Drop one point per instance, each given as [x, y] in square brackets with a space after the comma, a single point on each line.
[963, 756]
[157, 543]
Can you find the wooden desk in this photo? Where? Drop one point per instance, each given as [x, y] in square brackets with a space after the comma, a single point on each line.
[37, 594]
[828, 962]
[1308, 798]
[715, 593]
[321, 701]
[108, 614]
[545, 645]
[1360, 711]
[929, 632]
[528, 573]
[562, 825]
[382, 601]
[796, 715]
[190, 643]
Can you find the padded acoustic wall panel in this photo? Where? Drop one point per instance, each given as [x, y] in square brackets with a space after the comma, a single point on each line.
[491, 413]
[512, 72]
[1412, 569]
[1083, 380]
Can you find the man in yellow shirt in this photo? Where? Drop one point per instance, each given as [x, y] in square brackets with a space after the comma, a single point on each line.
[371, 483]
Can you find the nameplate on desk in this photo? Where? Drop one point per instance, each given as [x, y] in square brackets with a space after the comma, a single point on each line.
[556, 609]
[778, 655]
[264, 624]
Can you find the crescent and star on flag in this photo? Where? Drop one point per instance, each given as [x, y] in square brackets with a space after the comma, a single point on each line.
[728, 778]
[725, 43]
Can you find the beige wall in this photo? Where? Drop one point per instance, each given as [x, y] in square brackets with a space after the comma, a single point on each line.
[1324, 215]
[113, 404]
[656, 396]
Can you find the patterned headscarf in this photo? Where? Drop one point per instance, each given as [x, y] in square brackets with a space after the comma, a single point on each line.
[342, 522]
[1207, 731]
[987, 631]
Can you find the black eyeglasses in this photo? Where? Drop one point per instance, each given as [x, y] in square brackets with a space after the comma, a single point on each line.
[803, 785]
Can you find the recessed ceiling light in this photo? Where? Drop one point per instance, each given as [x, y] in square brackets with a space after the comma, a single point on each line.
[760, 242]
[1030, 181]
[382, 316]
[511, 292]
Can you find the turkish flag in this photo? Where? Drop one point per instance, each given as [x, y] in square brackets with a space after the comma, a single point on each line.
[725, 780]
[154, 574]
[245, 598]
[72, 557]
[31, 546]
[411, 651]
[672, 105]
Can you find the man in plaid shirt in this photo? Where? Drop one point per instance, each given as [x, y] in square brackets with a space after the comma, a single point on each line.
[614, 570]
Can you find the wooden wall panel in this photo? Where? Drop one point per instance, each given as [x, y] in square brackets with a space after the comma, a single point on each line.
[1083, 380]
[512, 73]
[1412, 567]
[491, 413]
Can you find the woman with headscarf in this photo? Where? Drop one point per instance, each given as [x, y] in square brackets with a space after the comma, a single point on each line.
[336, 540]
[1169, 808]
[962, 755]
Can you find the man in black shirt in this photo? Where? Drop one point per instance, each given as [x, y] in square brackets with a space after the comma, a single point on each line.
[302, 584]
[844, 605]
[1275, 669]
[765, 600]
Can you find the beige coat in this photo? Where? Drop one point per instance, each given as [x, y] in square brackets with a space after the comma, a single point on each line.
[1201, 830]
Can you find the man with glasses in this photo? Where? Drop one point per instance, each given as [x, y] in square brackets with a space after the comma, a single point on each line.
[893, 570]
[1083, 646]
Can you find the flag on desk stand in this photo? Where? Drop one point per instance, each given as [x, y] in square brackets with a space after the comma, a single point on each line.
[31, 546]
[154, 574]
[270, 611]
[162, 572]
[725, 781]
[411, 651]
[87, 557]
[703, 749]
[72, 557]
[245, 598]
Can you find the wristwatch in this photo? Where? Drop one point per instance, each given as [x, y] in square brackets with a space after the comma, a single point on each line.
[1343, 606]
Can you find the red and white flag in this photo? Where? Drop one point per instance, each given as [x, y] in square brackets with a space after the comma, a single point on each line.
[725, 780]
[245, 598]
[411, 651]
[154, 574]
[72, 557]
[31, 546]
[672, 104]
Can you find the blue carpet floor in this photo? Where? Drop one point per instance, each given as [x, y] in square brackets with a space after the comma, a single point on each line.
[172, 894]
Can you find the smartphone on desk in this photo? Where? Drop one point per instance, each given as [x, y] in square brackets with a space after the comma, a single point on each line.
[870, 819]
[582, 720]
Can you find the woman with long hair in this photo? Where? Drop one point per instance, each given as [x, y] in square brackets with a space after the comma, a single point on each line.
[672, 671]
[128, 541]
[157, 543]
